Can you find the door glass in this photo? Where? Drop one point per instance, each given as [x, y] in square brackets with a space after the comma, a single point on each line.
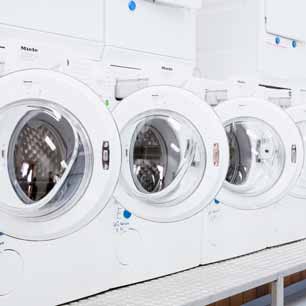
[257, 156]
[49, 158]
[300, 188]
[167, 157]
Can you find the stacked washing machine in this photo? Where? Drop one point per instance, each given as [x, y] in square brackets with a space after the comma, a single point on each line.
[259, 48]
[56, 139]
[106, 163]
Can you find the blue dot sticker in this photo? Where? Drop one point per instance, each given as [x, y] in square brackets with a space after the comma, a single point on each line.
[294, 44]
[127, 214]
[217, 202]
[277, 40]
[132, 6]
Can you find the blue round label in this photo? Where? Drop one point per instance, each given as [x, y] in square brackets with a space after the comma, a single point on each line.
[132, 5]
[127, 214]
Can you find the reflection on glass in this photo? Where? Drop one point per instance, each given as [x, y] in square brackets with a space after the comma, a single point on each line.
[39, 152]
[257, 156]
[46, 158]
[150, 159]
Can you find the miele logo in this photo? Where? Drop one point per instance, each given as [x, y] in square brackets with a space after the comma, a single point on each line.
[24, 48]
[167, 68]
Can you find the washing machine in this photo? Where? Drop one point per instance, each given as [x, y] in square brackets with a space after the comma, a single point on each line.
[264, 39]
[173, 165]
[248, 203]
[58, 175]
[293, 228]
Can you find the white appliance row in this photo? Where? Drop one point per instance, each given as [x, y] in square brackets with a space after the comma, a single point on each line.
[109, 177]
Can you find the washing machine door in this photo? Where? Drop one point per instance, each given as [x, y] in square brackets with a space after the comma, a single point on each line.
[298, 114]
[266, 153]
[59, 155]
[175, 154]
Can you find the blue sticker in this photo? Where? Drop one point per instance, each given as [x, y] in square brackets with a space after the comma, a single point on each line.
[127, 214]
[217, 202]
[294, 44]
[132, 6]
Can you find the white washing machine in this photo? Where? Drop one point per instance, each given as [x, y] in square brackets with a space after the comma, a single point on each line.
[58, 175]
[260, 141]
[173, 165]
[263, 39]
[293, 228]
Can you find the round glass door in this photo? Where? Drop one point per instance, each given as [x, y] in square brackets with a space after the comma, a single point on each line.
[266, 153]
[49, 158]
[60, 155]
[175, 154]
[257, 156]
[167, 158]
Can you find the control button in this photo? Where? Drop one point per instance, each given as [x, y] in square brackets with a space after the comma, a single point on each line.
[132, 6]
[277, 40]
[127, 214]
[294, 44]
[11, 267]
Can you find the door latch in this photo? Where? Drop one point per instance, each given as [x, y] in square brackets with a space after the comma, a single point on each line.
[105, 155]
